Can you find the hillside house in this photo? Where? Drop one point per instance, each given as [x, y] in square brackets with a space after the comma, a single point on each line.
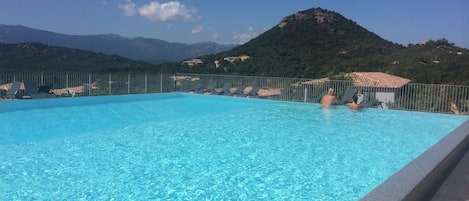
[231, 59]
[374, 85]
[380, 86]
[244, 57]
[192, 62]
[238, 58]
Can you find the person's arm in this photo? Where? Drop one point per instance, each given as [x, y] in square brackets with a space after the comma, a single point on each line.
[335, 101]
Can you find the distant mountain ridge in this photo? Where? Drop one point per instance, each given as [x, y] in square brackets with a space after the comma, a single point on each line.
[151, 50]
[37, 57]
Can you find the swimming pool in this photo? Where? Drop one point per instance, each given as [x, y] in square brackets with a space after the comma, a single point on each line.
[179, 146]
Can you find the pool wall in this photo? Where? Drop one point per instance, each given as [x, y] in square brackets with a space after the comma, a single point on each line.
[420, 179]
[8, 106]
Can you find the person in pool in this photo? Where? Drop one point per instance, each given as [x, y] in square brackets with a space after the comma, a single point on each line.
[355, 104]
[328, 99]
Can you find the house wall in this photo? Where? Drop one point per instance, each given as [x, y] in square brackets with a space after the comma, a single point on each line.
[386, 97]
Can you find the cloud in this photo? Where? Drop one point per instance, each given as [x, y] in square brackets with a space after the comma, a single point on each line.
[245, 37]
[197, 29]
[129, 8]
[215, 36]
[159, 12]
[165, 12]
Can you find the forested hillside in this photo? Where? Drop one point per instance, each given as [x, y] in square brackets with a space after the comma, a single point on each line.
[36, 57]
[432, 62]
[317, 43]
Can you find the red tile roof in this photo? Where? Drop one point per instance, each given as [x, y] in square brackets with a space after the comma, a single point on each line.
[377, 79]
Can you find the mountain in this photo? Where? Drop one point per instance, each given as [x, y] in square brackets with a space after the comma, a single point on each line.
[314, 43]
[151, 50]
[318, 43]
[310, 43]
[37, 57]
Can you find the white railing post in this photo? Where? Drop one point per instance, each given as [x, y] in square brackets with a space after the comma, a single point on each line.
[128, 83]
[161, 82]
[42, 78]
[89, 84]
[146, 82]
[306, 94]
[110, 84]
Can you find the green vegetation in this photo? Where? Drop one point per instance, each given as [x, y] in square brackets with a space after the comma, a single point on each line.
[433, 62]
[36, 57]
[318, 43]
[314, 43]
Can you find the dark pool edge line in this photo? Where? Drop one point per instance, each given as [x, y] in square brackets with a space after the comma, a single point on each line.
[422, 177]
[27, 104]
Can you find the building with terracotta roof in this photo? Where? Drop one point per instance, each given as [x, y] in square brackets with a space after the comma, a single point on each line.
[379, 86]
[383, 86]
[377, 79]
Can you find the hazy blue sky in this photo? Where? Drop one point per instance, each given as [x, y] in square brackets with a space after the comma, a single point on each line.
[236, 21]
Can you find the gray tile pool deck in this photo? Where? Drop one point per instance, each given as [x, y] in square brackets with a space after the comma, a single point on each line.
[440, 173]
[456, 185]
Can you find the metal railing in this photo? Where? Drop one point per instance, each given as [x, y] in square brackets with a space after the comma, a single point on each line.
[93, 84]
[437, 98]
[414, 97]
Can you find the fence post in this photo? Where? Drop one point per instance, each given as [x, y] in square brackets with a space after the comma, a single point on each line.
[128, 83]
[175, 81]
[110, 84]
[306, 94]
[146, 80]
[161, 82]
[89, 84]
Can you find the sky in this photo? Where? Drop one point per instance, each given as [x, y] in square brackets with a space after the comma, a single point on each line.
[236, 21]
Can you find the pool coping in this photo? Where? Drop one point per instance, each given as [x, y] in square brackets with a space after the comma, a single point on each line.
[421, 178]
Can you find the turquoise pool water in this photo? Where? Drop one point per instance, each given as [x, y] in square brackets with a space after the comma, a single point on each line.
[196, 147]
